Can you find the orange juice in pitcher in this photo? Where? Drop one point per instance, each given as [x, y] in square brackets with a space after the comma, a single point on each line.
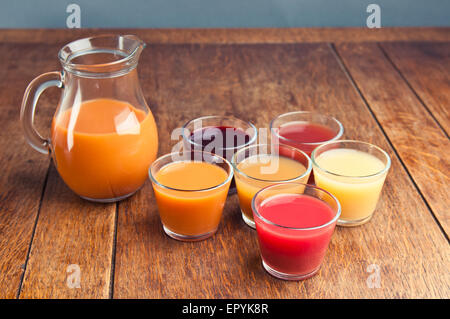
[103, 136]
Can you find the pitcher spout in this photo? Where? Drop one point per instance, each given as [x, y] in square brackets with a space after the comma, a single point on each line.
[100, 56]
[135, 48]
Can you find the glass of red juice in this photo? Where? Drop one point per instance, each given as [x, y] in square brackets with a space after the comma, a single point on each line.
[220, 135]
[305, 131]
[294, 223]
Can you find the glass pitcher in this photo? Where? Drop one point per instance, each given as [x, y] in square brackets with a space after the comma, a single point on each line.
[103, 134]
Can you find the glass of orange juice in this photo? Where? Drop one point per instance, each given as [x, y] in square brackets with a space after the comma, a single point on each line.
[190, 190]
[354, 172]
[261, 165]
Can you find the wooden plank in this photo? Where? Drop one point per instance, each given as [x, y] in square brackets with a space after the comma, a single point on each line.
[68, 230]
[235, 35]
[426, 67]
[419, 141]
[23, 169]
[73, 237]
[21, 183]
[257, 82]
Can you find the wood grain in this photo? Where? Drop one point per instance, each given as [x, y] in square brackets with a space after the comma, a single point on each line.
[416, 136]
[70, 231]
[235, 35]
[426, 67]
[257, 82]
[23, 170]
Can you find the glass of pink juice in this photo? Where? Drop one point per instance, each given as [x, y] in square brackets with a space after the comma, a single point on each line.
[294, 223]
[305, 130]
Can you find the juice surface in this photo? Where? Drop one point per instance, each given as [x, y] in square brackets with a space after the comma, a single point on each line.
[358, 196]
[271, 169]
[103, 147]
[220, 137]
[297, 211]
[191, 213]
[305, 132]
[293, 251]
[191, 175]
[350, 162]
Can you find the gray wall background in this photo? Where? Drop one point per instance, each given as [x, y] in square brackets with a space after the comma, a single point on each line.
[222, 13]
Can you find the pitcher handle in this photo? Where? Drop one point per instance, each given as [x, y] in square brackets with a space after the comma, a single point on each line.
[28, 108]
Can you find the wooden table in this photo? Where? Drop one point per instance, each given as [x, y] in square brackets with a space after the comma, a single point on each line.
[390, 87]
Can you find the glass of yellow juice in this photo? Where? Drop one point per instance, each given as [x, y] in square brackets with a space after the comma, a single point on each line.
[190, 190]
[354, 172]
[260, 165]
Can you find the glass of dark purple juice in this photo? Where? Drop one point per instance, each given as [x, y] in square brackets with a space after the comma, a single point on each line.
[220, 135]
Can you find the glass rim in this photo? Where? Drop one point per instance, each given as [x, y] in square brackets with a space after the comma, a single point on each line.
[159, 159]
[308, 169]
[69, 66]
[336, 137]
[251, 141]
[334, 219]
[385, 154]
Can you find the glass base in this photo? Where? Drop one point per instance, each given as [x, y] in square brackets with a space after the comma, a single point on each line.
[353, 223]
[107, 200]
[284, 276]
[248, 221]
[179, 237]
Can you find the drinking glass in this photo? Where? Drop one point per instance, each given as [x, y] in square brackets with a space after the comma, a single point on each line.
[189, 213]
[289, 252]
[357, 191]
[304, 117]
